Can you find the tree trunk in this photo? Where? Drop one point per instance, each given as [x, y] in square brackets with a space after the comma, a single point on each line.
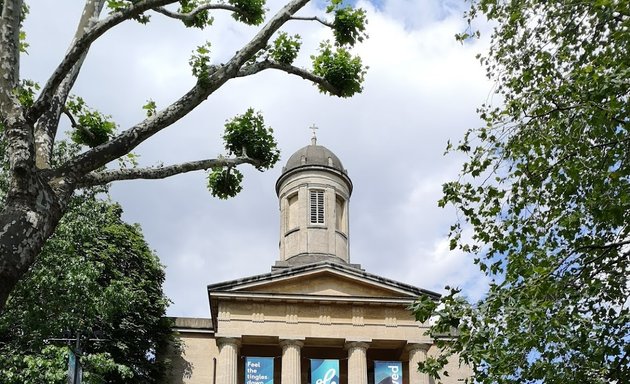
[29, 216]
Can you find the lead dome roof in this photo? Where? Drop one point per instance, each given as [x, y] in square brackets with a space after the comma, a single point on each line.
[313, 155]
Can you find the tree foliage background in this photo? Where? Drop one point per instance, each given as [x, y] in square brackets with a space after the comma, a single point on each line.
[96, 276]
[544, 199]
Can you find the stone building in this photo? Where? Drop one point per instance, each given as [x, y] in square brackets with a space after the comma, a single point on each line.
[314, 304]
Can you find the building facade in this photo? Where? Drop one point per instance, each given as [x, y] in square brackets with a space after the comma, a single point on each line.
[315, 309]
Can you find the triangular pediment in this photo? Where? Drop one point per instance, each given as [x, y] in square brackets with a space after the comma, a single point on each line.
[325, 279]
[325, 283]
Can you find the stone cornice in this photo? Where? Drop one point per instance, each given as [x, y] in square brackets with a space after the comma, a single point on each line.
[310, 167]
[324, 299]
[336, 268]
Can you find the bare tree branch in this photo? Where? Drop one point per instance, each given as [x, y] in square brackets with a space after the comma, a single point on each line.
[18, 134]
[313, 18]
[73, 122]
[132, 137]
[162, 172]
[46, 126]
[9, 53]
[79, 47]
[288, 68]
[617, 244]
[191, 15]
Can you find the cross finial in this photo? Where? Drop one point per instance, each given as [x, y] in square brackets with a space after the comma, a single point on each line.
[313, 127]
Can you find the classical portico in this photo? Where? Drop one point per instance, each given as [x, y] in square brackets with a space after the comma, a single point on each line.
[314, 303]
[321, 310]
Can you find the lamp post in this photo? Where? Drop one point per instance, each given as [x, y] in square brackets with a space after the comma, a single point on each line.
[75, 372]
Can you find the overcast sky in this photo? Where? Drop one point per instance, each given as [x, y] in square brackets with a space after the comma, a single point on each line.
[421, 90]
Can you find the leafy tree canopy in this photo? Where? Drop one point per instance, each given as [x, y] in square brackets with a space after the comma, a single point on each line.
[97, 276]
[545, 193]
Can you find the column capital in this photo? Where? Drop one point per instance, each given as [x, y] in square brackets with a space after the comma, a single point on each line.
[412, 347]
[235, 341]
[291, 342]
[364, 345]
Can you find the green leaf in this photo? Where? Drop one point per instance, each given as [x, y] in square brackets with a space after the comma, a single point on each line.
[349, 26]
[339, 68]
[250, 12]
[200, 63]
[90, 127]
[150, 107]
[200, 20]
[285, 48]
[247, 135]
[225, 182]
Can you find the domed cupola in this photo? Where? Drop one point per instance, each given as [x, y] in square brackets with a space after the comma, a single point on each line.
[314, 191]
[312, 155]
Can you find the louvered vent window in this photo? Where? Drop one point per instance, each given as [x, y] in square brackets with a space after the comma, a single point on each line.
[317, 207]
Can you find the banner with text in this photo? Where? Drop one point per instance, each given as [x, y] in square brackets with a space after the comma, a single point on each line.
[259, 370]
[388, 372]
[324, 371]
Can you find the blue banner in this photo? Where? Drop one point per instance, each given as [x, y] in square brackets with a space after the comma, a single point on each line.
[388, 372]
[259, 370]
[324, 371]
[75, 371]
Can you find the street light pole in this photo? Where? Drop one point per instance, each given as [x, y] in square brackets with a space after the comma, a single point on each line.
[77, 359]
[75, 372]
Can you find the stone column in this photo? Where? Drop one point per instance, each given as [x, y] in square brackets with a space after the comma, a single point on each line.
[291, 362]
[357, 362]
[227, 364]
[417, 354]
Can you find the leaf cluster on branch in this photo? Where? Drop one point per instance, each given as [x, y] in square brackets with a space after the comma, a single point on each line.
[543, 199]
[245, 136]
